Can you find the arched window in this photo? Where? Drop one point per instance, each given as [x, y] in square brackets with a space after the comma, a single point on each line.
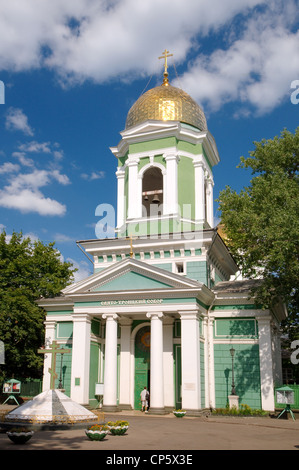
[152, 189]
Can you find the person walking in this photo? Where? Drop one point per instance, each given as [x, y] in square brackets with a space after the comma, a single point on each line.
[144, 402]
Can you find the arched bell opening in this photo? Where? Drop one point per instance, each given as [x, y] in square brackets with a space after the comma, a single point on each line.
[152, 190]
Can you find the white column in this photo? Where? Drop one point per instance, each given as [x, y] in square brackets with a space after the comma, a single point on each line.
[191, 396]
[168, 362]
[199, 176]
[125, 363]
[209, 364]
[80, 358]
[120, 174]
[110, 372]
[266, 363]
[210, 202]
[50, 328]
[156, 367]
[133, 209]
[171, 192]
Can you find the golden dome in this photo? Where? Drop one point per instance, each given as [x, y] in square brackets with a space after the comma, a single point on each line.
[166, 103]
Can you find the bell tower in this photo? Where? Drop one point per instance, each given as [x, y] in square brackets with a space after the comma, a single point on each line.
[165, 161]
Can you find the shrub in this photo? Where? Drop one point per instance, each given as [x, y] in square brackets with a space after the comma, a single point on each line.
[243, 410]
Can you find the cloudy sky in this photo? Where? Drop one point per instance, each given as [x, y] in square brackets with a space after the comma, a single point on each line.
[71, 69]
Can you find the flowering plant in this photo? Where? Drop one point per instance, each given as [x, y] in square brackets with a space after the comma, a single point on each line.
[97, 432]
[118, 423]
[98, 427]
[179, 413]
[118, 428]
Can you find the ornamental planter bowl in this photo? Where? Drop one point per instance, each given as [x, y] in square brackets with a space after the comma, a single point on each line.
[118, 428]
[19, 437]
[96, 433]
[179, 414]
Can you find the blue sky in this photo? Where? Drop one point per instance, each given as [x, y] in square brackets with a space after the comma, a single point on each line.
[72, 70]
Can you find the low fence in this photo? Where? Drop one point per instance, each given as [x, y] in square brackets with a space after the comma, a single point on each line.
[31, 388]
[295, 406]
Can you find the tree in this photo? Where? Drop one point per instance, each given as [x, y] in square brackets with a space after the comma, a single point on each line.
[262, 223]
[29, 270]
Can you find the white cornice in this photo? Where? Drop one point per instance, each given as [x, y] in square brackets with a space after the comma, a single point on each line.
[153, 130]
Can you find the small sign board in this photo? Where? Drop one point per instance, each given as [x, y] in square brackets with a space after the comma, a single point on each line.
[12, 386]
[99, 389]
[285, 395]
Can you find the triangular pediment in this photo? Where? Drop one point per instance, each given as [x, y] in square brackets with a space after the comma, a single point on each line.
[131, 275]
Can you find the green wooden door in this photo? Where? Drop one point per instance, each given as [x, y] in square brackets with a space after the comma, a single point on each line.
[178, 376]
[142, 363]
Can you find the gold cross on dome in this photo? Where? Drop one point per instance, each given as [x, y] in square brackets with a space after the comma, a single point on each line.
[164, 56]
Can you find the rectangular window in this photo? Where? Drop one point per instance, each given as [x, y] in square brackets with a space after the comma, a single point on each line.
[180, 268]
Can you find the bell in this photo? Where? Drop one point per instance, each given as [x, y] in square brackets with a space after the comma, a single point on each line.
[156, 199]
[146, 198]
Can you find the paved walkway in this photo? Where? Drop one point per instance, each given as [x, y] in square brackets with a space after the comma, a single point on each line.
[153, 433]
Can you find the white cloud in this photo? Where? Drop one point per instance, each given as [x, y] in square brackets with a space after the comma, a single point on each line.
[94, 175]
[36, 147]
[92, 39]
[17, 120]
[23, 193]
[100, 39]
[33, 147]
[62, 179]
[84, 269]
[28, 200]
[256, 69]
[8, 167]
[21, 156]
[60, 237]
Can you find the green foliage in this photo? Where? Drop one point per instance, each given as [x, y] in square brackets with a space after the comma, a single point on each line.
[120, 423]
[243, 410]
[262, 222]
[29, 270]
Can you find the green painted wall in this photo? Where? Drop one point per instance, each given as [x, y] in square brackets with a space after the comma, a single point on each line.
[60, 312]
[241, 327]
[197, 270]
[65, 369]
[64, 332]
[142, 364]
[186, 187]
[142, 162]
[166, 266]
[177, 364]
[131, 280]
[195, 149]
[93, 371]
[246, 374]
[152, 145]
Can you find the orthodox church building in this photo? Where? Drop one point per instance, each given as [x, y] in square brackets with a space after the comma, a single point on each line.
[162, 308]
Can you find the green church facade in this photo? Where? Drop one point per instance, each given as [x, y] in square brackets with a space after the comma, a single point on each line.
[164, 305]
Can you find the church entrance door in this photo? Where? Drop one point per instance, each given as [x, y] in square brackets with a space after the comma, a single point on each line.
[142, 363]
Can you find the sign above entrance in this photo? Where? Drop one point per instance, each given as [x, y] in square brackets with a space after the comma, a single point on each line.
[107, 303]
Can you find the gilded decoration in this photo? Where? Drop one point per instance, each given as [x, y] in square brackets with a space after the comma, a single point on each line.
[166, 103]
